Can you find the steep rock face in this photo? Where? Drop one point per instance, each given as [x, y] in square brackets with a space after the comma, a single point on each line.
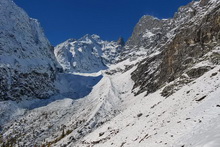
[148, 36]
[88, 54]
[190, 45]
[27, 63]
[145, 32]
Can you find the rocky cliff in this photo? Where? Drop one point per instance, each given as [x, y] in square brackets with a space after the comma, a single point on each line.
[27, 63]
[195, 39]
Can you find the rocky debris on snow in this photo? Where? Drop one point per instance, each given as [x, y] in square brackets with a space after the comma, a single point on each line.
[197, 72]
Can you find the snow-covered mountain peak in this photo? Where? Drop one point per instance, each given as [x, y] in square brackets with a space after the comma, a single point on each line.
[90, 38]
[148, 18]
[87, 54]
[96, 37]
[70, 40]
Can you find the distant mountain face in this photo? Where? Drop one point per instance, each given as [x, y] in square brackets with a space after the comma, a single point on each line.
[88, 54]
[27, 63]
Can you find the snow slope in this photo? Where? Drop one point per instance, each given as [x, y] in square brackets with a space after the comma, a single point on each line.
[188, 118]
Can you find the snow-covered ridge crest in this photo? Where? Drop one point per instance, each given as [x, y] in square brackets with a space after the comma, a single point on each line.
[87, 54]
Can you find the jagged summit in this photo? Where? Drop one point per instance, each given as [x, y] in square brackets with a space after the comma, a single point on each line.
[89, 37]
[71, 40]
[144, 29]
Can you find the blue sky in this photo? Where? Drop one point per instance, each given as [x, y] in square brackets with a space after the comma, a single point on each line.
[64, 19]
